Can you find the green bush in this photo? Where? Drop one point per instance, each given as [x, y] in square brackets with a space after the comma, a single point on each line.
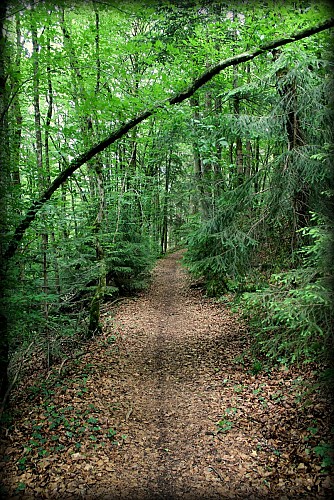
[291, 318]
[220, 249]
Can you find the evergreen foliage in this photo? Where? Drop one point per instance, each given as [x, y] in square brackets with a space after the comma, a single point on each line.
[260, 240]
[221, 248]
[291, 319]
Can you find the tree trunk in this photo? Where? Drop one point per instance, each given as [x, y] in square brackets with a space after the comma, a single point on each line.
[256, 165]
[218, 180]
[4, 177]
[42, 178]
[248, 159]
[164, 232]
[198, 166]
[16, 80]
[239, 173]
[97, 49]
[295, 138]
[94, 317]
[47, 162]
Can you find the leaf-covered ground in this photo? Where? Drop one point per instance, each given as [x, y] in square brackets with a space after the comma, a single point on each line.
[164, 406]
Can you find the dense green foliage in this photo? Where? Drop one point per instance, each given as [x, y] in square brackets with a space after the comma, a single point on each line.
[234, 174]
[291, 317]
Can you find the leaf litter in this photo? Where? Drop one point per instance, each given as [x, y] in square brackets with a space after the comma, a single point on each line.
[163, 405]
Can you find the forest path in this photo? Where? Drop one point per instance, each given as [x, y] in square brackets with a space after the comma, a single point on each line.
[136, 417]
[176, 342]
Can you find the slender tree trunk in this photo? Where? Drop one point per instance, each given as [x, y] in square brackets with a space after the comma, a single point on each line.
[47, 165]
[37, 112]
[16, 80]
[97, 48]
[4, 177]
[248, 159]
[218, 181]
[238, 160]
[198, 167]
[16, 135]
[74, 215]
[164, 232]
[295, 138]
[132, 165]
[248, 154]
[256, 164]
[94, 317]
[238, 148]
[43, 178]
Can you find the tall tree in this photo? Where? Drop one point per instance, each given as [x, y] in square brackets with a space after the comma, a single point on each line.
[5, 171]
[43, 179]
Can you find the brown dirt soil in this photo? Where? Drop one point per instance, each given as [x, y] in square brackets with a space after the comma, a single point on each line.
[189, 421]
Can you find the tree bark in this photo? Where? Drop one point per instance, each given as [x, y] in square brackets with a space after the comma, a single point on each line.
[295, 140]
[97, 49]
[16, 81]
[198, 167]
[133, 122]
[4, 177]
[94, 316]
[43, 179]
[164, 233]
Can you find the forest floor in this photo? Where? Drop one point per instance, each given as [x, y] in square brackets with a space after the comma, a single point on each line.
[163, 405]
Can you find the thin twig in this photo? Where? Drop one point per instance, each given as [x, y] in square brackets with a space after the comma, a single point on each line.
[127, 416]
[220, 439]
[218, 473]
[62, 364]
[117, 300]
[258, 222]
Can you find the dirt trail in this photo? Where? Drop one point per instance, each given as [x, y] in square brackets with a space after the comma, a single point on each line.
[174, 341]
[163, 375]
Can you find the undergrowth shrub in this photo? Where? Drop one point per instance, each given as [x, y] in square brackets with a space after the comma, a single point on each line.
[129, 257]
[291, 318]
[221, 248]
[129, 263]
